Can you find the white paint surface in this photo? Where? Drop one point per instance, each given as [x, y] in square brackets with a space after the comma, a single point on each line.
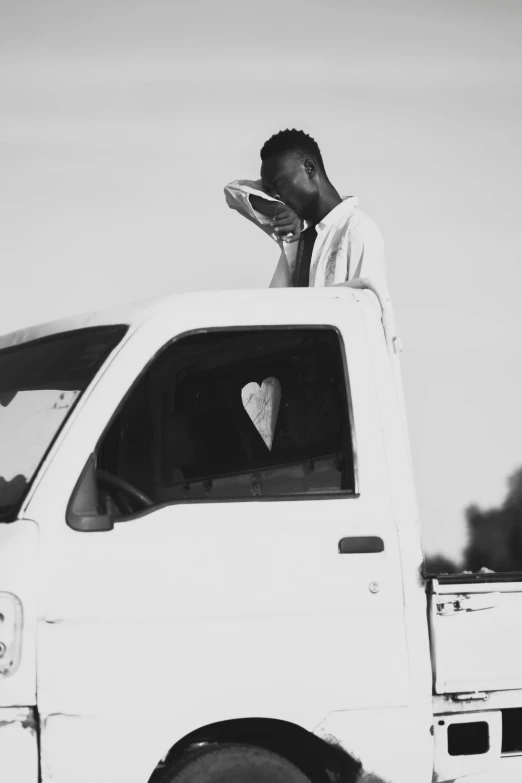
[18, 746]
[478, 648]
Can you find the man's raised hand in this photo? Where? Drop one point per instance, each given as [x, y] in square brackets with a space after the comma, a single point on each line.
[286, 224]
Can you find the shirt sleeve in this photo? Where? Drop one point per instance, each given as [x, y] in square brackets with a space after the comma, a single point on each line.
[237, 195]
[366, 252]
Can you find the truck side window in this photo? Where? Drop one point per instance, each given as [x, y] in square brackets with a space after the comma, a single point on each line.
[237, 414]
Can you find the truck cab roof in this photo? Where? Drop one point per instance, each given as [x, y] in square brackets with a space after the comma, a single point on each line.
[147, 312]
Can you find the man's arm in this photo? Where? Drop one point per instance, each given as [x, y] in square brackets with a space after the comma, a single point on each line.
[272, 216]
[282, 277]
[237, 195]
[264, 206]
[285, 222]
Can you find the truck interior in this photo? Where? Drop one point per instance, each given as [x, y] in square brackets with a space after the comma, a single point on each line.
[232, 415]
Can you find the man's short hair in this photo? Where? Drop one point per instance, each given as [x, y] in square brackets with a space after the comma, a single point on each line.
[294, 143]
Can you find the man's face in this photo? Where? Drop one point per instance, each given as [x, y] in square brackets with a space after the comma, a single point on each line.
[286, 179]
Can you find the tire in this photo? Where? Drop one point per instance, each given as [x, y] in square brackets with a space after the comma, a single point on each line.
[234, 764]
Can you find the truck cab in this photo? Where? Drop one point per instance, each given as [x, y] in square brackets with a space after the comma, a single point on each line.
[210, 554]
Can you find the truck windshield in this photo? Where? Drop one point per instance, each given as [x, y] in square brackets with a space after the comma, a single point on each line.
[40, 382]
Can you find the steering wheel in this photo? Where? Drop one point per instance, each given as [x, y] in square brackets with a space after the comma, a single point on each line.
[115, 482]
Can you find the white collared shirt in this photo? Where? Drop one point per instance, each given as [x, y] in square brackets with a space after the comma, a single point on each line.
[348, 245]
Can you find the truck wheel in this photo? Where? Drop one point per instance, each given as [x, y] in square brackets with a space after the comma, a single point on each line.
[234, 764]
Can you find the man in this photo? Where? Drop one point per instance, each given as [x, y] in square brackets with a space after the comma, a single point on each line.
[324, 239]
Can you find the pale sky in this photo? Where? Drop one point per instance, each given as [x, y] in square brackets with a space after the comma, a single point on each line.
[122, 121]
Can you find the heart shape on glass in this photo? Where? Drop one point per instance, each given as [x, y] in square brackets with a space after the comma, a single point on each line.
[262, 405]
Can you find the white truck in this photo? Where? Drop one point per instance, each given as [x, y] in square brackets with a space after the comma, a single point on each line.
[210, 559]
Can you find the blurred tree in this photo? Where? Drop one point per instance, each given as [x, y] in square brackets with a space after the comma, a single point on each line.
[495, 535]
[438, 564]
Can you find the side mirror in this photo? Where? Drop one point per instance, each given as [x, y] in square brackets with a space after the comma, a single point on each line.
[83, 512]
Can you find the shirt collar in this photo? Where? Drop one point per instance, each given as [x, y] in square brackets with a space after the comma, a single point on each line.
[337, 213]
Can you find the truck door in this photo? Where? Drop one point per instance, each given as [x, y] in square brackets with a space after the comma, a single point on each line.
[18, 723]
[253, 566]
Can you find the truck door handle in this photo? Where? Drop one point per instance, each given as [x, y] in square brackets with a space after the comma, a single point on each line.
[450, 605]
[357, 545]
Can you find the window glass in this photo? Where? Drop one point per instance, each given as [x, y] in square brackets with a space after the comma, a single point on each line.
[40, 381]
[236, 415]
